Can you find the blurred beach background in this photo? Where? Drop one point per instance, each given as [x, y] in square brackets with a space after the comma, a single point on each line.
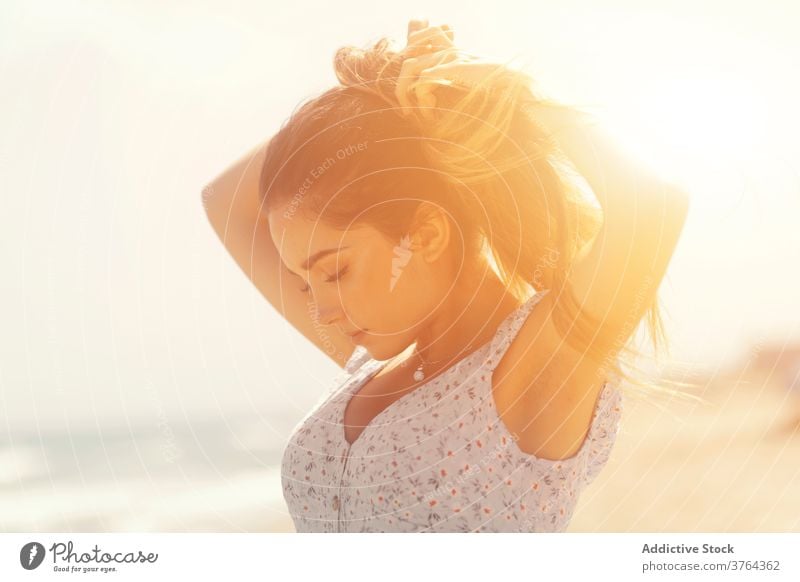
[145, 385]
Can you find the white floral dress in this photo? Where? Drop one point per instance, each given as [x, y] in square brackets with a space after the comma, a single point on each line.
[439, 458]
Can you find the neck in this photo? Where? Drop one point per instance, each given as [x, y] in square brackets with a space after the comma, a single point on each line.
[465, 321]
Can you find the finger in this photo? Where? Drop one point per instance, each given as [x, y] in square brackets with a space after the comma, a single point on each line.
[422, 26]
[428, 80]
[424, 93]
[419, 36]
[428, 40]
[416, 24]
[429, 47]
[411, 68]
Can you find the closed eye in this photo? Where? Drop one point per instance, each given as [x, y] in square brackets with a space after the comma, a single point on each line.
[331, 279]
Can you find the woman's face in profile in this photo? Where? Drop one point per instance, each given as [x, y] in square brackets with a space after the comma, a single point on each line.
[360, 280]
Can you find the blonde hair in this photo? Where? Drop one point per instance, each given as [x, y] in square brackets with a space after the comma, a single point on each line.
[480, 154]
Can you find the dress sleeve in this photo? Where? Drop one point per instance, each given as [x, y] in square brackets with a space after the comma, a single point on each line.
[585, 465]
[605, 433]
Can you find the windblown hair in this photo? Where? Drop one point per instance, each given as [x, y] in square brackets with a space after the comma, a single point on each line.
[355, 155]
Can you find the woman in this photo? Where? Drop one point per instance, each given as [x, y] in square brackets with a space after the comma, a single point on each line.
[416, 224]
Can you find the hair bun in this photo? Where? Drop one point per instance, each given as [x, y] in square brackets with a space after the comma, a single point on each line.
[356, 66]
[374, 70]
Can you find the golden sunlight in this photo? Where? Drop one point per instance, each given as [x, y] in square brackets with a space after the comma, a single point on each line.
[684, 127]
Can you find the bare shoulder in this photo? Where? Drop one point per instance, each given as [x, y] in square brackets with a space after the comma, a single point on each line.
[544, 390]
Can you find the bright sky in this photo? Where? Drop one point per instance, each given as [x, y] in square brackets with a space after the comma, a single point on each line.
[118, 299]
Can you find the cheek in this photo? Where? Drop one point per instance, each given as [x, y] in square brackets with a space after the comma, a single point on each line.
[411, 299]
[384, 296]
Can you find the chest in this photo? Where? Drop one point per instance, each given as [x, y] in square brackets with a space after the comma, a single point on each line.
[376, 395]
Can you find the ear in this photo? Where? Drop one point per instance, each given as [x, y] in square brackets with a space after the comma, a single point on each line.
[431, 232]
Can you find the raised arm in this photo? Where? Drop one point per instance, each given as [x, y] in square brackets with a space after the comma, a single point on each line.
[619, 273]
[231, 204]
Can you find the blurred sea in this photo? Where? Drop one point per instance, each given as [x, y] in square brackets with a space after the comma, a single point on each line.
[691, 463]
[220, 475]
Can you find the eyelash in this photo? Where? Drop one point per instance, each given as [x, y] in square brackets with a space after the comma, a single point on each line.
[332, 279]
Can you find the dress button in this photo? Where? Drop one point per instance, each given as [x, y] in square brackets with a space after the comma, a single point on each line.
[335, 503]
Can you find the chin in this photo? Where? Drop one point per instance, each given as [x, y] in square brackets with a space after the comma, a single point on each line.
[382, 351]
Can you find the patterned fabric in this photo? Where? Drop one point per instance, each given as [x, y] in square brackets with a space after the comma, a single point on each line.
[439, 458]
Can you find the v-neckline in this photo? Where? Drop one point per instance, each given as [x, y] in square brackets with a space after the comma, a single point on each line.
[350, 393]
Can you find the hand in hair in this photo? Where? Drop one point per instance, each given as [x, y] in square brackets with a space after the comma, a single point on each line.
[424, 39]
[437, 62]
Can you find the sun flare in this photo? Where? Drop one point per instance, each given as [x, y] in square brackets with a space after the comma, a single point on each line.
[685, 128]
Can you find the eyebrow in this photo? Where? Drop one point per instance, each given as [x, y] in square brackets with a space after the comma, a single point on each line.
[309, 262]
